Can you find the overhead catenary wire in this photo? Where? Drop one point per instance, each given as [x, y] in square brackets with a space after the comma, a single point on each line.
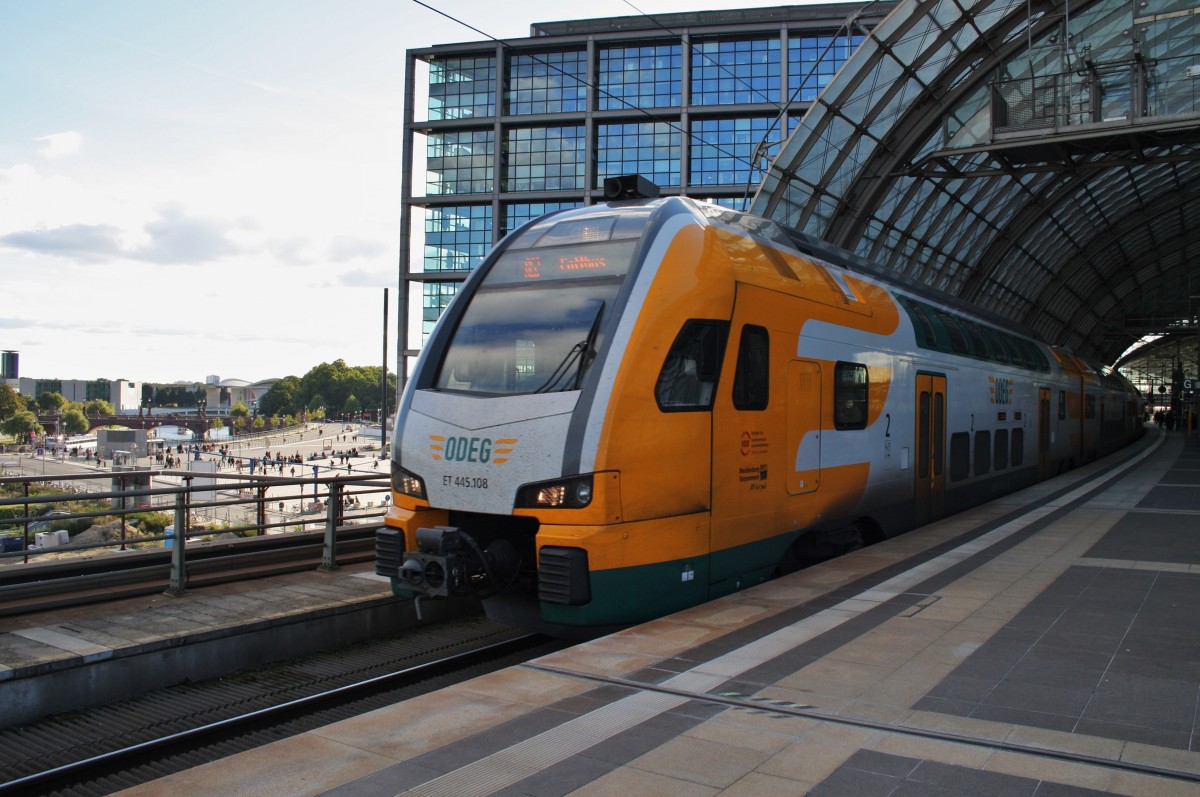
[594, 87]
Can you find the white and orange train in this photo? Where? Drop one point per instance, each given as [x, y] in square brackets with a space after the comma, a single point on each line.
[639, 406]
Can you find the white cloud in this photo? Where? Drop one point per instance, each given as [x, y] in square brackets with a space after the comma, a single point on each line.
[60, 145]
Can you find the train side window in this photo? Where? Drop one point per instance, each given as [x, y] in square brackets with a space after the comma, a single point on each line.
[751, 379]
[850, 390]
[954, 331]
[979, 346]
[1018, 447]
[1000, 450]
[689, 373]
[999, 353]
[1062, 405]
[960, 456]
[983, 452]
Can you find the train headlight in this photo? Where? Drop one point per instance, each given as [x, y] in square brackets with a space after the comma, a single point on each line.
[573, 493]
[407, 483]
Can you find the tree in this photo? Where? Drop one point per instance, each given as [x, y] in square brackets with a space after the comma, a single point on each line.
[281, 398]
[74, 421]
[20, 424]
[259, 423]
[10, 402]
[52, 401]
[98, 407]
[239, 410]
[216, 423]
[352, 405]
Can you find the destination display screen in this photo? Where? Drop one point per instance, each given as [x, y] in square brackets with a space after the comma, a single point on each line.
[553, 263]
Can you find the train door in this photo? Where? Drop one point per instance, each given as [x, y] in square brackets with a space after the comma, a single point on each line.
[930, 492]
[749, 457]
[1043, 438]
[804, 426]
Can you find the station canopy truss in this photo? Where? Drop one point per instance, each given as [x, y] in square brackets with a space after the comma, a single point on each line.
[1040, 160]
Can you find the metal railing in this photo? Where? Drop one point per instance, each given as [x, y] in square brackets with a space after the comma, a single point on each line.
[144, 515]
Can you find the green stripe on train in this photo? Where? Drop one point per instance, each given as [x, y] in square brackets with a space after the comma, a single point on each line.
[637, 594]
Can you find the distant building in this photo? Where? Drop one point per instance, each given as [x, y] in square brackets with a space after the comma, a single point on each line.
[125, 396]
[220, 397]
[9, 366]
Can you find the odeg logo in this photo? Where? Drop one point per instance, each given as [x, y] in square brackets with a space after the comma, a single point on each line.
[478, 450]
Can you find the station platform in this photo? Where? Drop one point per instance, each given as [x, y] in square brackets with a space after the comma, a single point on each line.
[1044, 644]
[76, 657]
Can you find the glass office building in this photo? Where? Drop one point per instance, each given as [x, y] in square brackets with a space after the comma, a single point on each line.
[498, 133]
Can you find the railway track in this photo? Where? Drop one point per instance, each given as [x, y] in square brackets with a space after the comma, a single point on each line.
[103, 750]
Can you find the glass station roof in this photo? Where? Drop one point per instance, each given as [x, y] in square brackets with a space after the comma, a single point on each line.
[1038, 159]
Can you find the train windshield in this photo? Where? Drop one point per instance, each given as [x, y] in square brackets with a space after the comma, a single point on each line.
[534, 324]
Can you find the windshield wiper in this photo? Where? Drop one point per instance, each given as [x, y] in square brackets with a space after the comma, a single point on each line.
[588, 352]
[578, 356]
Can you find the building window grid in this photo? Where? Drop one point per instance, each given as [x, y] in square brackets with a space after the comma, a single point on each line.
[462, 88]
[553, 82]
[814, 60]
[723, 72]
[651, 149]
[544, 158]
[722, 149]
[435, 297]
[518, 213]
[640, 77]
[736, 71]
[457, 237]
[460, 162]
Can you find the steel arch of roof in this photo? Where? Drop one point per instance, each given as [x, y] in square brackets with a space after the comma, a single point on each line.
[1072, 250]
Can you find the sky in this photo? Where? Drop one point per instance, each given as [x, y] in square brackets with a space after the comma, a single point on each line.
[212, 187]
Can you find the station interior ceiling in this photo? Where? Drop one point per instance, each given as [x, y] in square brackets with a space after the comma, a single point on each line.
[1039, 159]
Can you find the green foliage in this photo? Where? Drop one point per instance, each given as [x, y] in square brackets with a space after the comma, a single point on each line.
[259, 423]
[216, 423]
[170, 395]
[329, 386]
[281, 398]
[20, 424]
[98, 407]
[239, 410]
[74, 422]
[10, 402]
[52, 401]
[154, 523]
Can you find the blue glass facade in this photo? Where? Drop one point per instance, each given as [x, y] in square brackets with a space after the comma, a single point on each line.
[461, 162]
[435, 296]
[741, 71]
[518, 213]
[640, 77]
[723, 149]
[814, 60]
[462, 88]
[521, 128]
[456, 236]
[554, 82]
[544, 158]
[651, 149]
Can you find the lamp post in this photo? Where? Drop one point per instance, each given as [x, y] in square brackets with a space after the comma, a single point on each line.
[201, 407]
